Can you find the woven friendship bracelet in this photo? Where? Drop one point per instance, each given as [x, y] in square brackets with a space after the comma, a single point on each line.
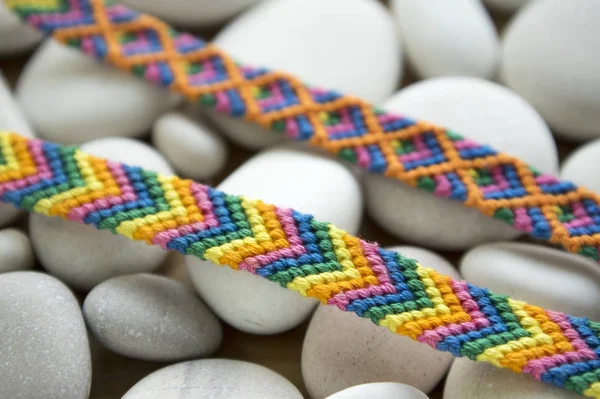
[417, 153]
[313, 258]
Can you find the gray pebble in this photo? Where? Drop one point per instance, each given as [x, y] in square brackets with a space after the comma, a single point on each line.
[151, 317]
[15, 251]
[44, 352]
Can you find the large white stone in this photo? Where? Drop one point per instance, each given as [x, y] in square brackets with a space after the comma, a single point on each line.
[551, 53]
[15, 35]
[192, 13]
[541, 276]
[475, 380]
[583, 166]
[288, 178]
[480, 110]
[380, 390]
[15, 251]
[214, 379]
[84, 257]
[445, 38]
[341, 349]
[506, 5]
[71, 98]
[194, 150]
[347, 45]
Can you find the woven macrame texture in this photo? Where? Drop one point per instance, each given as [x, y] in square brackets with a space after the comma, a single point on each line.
[313, 258]
[417, 153]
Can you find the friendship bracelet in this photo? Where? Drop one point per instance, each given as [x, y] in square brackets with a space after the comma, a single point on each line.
[313, 258]
[414, 152]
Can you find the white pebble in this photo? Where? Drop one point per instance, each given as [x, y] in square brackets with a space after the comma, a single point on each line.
[582, 167]
[192, 13]
[45, 351]
[347, 45]
[475, 380]
[542, 276]
[84, 257]
[380, 390]
[341, 349]
[214, 379]
[72, 98]
[287, 178]
[16, 36]
[550, 57]
[190, 146]
[15, 251]
[476, 109]
[445, 38]
[507, 6]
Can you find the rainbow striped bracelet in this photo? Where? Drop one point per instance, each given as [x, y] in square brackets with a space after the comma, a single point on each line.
[414, 152]
[313, 258]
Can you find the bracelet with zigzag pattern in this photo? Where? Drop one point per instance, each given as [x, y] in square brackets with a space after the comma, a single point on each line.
[417, 153]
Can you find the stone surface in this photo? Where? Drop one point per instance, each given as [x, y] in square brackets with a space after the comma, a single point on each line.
[71, 98]
[506, 5]
[16, 36]
[564, 282]
[286, 177]
[213, 379]
[380, 390]
[551, 53]
[15, 251]
[341, 350]
[444, 38]
[190, 146]
[192, 13]
[474, 380]
[44, 351]
[315, 41]
[477, 109]
[583, 166]
[151, 317]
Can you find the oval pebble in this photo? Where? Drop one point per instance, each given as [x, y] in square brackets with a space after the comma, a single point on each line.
[507, 6]
[45, 351]
[15, 251]
[476, 109]
[582, 167]
[16, 36]
[475, 380]
[192, 13]
[84, 257]
[341, 349]
[542, 276]
[151, 317]
[286, 177]
[560, 80]
[71, 98]
[444, 38]
[193, 149]
[380, 390]
[315, 41]
[213, 379]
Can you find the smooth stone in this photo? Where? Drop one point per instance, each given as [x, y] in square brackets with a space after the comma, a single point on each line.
[190, 146]
[15, 251]
[445, 38]
[506, 6]
[560, 80]
[380, 390]
[478, 110]
[17, 37]
[71, 98]
[313, 40]
[541, 276]
[286, 177]
[44, 351]
[151, 317]
[582, 167]
[341, 349]
[214, 379]
[475, 380]
[192, 13]
[83, 256]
